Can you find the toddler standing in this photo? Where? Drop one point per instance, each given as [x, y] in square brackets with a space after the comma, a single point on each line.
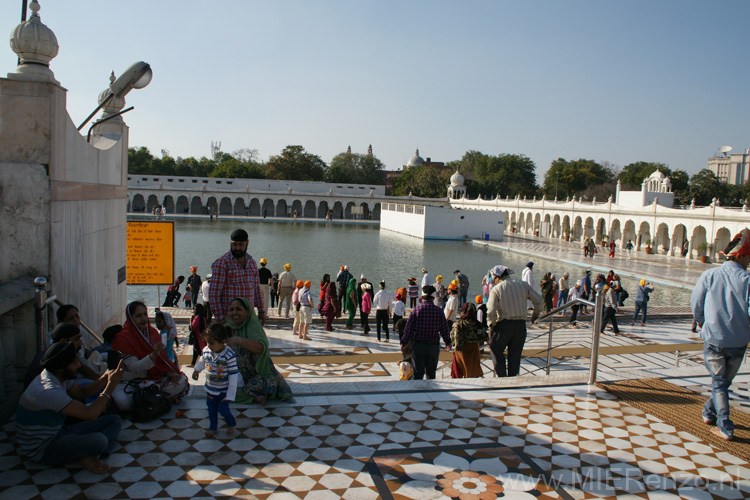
[222, 376]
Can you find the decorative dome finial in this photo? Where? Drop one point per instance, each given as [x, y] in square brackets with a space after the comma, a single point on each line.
[35, 45]
[115, 105]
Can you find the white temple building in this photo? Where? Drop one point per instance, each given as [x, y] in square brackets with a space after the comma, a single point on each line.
[656, 187]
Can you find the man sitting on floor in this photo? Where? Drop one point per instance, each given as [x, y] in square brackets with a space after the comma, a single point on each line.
[52, 396]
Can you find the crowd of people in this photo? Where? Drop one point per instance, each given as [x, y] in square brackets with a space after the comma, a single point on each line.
[69, 411]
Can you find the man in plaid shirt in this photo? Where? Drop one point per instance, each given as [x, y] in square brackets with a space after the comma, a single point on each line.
[234, 275]
[425, 326]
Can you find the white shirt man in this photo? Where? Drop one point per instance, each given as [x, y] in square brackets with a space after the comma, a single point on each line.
[382, 304]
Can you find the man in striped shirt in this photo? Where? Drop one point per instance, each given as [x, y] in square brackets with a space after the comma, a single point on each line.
[506, 316]
[234, 275]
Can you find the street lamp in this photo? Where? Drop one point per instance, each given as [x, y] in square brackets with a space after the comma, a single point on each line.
[137, 76]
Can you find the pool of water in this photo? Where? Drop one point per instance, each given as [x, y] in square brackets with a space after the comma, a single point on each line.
[314, 249]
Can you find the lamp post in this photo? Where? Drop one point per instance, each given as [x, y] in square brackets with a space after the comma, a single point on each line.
[137, 76]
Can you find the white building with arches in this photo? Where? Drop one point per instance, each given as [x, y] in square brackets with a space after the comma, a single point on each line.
[661, 228]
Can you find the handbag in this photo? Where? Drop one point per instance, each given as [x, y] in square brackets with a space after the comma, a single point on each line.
[149, 402]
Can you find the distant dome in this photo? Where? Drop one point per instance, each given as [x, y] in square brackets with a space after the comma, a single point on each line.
[657, 175]
[415, 160]
[457, 179]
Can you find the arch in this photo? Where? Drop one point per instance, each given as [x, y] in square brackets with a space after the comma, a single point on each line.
[601, 229]
[212, 205]
[323, 209]
[281, 209]
[338, 210]
[182, 206]
[723, 237]
[644, 234]
[138, 204]
[151, 203]
[512, 221]
[309, 211]
[348, 210]
[225, 206]
[365, 210]
[629, 233]
[566, 230]
[661, 239]
[128, 209]
[529, 223]
[537, 223]
[296, 207]
[679, 236]
[698, 238]
[521, 223]
[239, 206]
[556, 227]
[588, 228]
[196, 205]
[376, 212]
[578, 229]
[615, 233]
[169, 204]
[268, 209]
[254, 209]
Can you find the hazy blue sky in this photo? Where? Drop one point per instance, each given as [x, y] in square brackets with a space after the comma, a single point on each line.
[611, 81]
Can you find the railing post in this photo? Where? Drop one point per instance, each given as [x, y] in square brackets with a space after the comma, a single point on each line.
[596, 333]
[40, 306]
[549, 343]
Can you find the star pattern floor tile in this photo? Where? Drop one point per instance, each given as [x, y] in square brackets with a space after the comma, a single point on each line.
[550, 443]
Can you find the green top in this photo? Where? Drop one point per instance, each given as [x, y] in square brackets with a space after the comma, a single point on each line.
[253, 330]
[351, 305]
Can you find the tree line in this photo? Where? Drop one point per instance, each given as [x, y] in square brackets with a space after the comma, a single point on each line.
[486, 176]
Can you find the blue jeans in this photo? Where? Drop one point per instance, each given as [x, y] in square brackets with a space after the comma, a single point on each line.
[85, 439]
[640, 306]
[464, 294]
[216, 405]
[722, 363]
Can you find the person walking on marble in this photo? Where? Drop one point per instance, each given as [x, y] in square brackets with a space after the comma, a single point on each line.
[641, 300]
[266, 278]
[287, 282]
[194, 285]
[426, 326]
[382, 305]
[506, 317]
[720, 303]
[234, 275]
[464, 285]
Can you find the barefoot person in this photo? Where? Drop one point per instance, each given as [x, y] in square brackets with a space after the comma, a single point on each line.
[220, 363]
[260, 379]
[51, 397]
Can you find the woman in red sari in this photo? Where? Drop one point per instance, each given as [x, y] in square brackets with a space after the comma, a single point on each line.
[143, 357]
[331, 307]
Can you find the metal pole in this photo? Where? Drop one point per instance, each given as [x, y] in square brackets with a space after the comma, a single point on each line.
[549, 343]
[596, 334]
[40, 306]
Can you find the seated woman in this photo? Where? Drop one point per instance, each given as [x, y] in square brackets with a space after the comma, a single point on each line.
[143, 357]
[260, 379]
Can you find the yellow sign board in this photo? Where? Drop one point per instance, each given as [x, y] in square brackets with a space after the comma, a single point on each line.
[150, 255]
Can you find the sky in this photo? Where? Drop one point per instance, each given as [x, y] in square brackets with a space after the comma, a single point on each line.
[664, 81]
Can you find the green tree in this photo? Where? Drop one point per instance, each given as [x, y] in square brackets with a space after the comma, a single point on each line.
[370, 170]
[680, 187]
[503, 175]
[572, 178]
[139, 160]
[705, 186]
[296, 164]
[343, 168]
[633, 174]
[424, 181]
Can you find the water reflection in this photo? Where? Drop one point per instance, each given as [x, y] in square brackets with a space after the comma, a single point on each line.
[314, 249]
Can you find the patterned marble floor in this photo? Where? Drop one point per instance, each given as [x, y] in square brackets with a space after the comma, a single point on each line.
[562, 442]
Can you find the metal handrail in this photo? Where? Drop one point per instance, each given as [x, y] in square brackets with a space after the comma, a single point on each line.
[83, 325]
[42, 303]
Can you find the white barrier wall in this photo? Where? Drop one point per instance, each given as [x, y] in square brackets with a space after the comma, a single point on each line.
[438, 223]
